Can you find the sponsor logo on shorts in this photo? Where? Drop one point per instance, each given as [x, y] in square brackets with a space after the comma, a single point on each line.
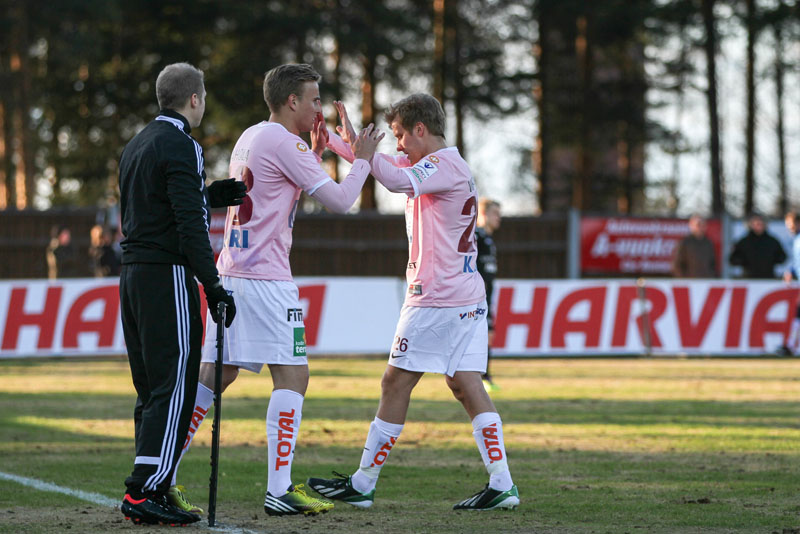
[474, 314]
[302, 147]
[299, 341]
[294, 314]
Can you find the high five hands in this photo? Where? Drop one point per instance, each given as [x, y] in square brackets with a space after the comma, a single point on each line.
[319, 135]
[367, 141]
[346, 130]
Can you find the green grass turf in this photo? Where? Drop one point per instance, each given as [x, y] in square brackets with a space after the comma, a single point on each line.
[594, 446]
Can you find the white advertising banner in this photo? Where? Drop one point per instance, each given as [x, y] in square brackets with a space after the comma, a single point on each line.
[532, 317]
[569, 317]
[78, 317]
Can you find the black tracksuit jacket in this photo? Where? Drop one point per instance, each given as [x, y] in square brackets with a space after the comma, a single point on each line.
[164, 200]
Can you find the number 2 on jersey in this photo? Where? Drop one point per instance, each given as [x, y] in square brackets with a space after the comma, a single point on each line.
[244, 212]
[465, 243]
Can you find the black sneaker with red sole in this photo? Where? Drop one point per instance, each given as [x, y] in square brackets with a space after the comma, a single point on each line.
[155, 510]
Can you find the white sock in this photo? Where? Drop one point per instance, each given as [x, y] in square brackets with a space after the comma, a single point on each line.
[380, 440]
[202, 403]
[488, 433]
[794, 335]
[283, 422]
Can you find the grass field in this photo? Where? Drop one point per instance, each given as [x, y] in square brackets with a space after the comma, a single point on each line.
[638, 446]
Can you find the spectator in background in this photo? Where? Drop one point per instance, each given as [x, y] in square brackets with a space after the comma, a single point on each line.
[103, 260]
[758, 252]
[488, 223]
[694, 255]
[61, 259]
[792, 340]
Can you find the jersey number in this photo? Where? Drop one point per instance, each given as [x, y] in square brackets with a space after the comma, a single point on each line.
[400, 344]
[245, 211]
[465, 243]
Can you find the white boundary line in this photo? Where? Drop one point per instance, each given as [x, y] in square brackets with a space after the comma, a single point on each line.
[40, 485]
[95, 498]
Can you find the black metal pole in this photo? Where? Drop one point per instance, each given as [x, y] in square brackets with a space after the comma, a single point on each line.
[212, 486]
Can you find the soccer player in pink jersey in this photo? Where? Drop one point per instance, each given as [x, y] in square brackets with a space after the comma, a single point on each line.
[442, 326]
[276, 165]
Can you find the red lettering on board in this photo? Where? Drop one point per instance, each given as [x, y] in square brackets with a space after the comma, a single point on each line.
[16, 318]
[590, 327]
[533, 319]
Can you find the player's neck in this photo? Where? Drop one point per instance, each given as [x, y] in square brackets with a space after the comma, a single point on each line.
[433, 143]
[285, 120]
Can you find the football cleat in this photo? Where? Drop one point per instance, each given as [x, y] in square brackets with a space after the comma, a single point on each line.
[176, 496]
[341, 489]
[295, 501]
[490, 499]
[155, 510]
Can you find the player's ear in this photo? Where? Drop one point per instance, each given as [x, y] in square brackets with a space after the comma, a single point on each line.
[419, 129]
[292, 102]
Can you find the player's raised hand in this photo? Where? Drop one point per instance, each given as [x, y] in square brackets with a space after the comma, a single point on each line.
[346, 130]
[366, 142]
[319, 134]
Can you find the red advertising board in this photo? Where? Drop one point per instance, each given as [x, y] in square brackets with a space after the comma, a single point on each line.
[633, 246]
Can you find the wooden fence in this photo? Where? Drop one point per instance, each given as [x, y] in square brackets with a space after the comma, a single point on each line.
[364, 244]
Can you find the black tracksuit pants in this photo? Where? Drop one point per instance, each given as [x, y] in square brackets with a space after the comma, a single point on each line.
[160, 307]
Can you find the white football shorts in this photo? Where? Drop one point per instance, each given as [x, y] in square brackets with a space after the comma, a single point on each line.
[268, 327]
[441, 340]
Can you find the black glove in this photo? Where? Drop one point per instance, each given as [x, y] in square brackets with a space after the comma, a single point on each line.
[226, 193]
[215, 295]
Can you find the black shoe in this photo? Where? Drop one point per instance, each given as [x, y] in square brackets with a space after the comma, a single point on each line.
[154, 510]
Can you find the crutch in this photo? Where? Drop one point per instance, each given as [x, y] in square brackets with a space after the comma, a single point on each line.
[212, 486]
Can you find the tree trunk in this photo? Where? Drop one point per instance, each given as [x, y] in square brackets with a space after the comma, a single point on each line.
[673, 200]
[458, 80]
[783, 199]
[438, 49]
[750, 134]
[710, 46]
[581, 182]
[541, 95]
[368, 201]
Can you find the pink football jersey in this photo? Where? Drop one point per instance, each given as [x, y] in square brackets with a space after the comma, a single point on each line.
[275, 165]
[440, 224]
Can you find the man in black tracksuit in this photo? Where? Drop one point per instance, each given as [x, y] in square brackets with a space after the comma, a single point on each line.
[165, 217]
[488, 222]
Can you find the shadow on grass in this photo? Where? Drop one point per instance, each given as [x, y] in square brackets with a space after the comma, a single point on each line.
[577, 411]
